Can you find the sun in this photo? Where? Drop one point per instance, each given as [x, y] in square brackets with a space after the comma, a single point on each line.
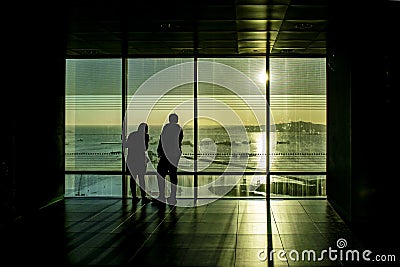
[262, 77]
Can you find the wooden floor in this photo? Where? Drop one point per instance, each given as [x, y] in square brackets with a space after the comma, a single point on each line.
[227, 232]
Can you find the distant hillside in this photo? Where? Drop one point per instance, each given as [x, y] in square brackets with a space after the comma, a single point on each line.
[295, 126]
[299, 126]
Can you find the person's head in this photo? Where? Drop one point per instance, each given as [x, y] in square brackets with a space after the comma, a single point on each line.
[173, 118]
[143, 128]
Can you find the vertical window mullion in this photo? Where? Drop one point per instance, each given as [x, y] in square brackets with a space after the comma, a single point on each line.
[268, 130]
[123, 110]
[195, 125]
[124, 82]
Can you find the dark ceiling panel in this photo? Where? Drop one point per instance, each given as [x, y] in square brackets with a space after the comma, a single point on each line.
[216, 25]
[215, 12]
[253, 44]
[297, 44]
[304, 25]
[263, 2]
[306, 12]
[318, 44]
[251, 12]
[228, 35]
[286, 36]
[258, 25]
[176, 27]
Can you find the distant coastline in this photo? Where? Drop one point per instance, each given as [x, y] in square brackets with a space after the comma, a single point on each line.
[293, 126]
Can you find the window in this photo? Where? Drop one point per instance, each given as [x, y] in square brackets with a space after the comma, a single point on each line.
[93, 127]
[158, 87]
[222, 104]
[298, 130]
[231, 119]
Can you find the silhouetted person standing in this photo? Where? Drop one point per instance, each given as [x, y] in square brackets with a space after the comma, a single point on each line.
[169, 151]
[137, 145]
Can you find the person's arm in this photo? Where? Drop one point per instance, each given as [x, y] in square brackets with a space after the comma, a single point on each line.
[146, 141]
[125, 143]
[159, 148]
[180, 139]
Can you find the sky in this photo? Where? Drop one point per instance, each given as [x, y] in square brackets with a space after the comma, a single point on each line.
[230, 91]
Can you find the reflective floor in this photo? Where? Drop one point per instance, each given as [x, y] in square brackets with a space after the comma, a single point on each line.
[98, 231]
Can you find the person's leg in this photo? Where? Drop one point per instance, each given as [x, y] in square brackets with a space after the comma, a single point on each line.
[174, 182]
[142, 185]
[161, 173]
[133, 188]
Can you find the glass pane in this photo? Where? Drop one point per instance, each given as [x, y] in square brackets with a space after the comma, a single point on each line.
[158, 87]
[298, 186]
[232, 111]
[90, 185]
[184, 190]
[298, 110]
[231, 186]
[93, 115]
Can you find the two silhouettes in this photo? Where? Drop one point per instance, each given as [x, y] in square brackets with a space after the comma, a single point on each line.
[169, 151]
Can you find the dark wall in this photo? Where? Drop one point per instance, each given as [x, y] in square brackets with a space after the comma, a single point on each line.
[339, 134]
[363, 74]
[32, 109]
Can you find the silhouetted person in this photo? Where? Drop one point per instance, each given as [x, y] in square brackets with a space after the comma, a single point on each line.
[137, 144]
[169, 151]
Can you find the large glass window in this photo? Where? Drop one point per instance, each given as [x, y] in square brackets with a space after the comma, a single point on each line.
[298, 134]
[93, 125]
[158, 87]
[222, 104]
[231, 117]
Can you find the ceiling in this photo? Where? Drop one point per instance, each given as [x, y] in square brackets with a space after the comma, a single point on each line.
[206, 27]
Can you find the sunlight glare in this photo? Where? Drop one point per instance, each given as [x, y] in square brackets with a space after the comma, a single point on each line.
[262, 77]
